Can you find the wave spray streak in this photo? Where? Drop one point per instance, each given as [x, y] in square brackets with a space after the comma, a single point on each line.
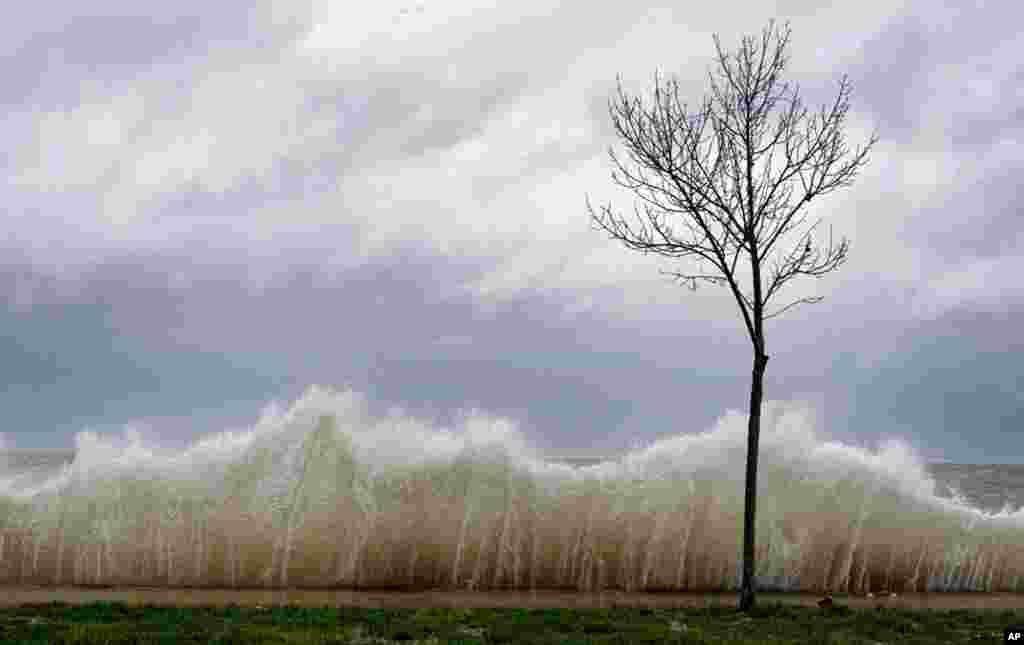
[324, 496]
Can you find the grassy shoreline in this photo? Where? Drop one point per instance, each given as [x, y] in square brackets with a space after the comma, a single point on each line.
[770, 623]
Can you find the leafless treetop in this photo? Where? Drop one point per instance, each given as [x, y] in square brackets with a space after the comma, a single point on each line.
[735, 180]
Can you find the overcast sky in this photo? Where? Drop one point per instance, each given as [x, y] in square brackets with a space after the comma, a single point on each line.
[208, 206]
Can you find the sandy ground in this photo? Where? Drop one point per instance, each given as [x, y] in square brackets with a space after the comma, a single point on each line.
[14, 596]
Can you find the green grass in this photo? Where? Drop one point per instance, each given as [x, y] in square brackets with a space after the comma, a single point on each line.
[776, 624]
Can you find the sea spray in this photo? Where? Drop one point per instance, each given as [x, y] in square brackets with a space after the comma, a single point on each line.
[323, 495]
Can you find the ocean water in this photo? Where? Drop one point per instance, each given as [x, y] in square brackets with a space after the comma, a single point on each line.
[321, 495]
[986, 487]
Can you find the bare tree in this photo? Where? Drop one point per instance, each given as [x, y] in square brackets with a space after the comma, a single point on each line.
[728, 193]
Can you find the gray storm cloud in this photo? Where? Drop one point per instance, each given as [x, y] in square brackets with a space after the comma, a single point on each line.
[209, 206]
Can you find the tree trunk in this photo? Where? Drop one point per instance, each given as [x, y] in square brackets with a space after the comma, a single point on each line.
[750, 498]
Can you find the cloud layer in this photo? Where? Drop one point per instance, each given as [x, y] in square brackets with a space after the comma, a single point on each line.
[211, 206]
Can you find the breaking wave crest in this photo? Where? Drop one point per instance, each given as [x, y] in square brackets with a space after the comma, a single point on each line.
[324, 495]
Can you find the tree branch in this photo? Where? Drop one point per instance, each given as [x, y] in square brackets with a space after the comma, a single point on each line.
[704, 178]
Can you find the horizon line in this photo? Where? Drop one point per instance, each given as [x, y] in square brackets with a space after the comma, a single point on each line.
[554, 457]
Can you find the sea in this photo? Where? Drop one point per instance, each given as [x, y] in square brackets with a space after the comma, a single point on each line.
[988, 487]
[322, 495]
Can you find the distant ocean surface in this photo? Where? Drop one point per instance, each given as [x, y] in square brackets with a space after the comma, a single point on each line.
[989, 487]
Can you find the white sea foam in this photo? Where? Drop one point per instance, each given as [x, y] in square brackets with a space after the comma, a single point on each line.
[324, 481]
